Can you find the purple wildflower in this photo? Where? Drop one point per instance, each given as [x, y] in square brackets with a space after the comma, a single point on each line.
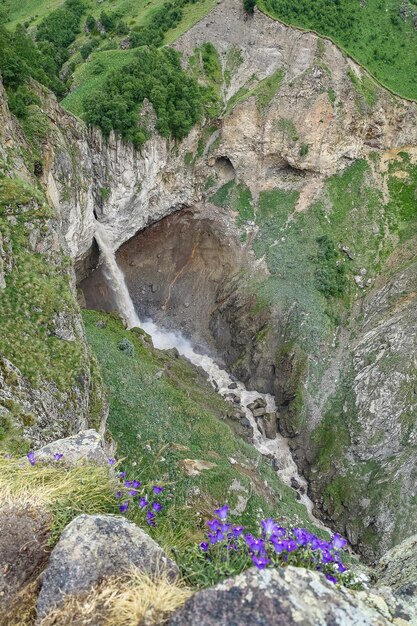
[133, 492]
[111, 461]
[123, 507]
[341, 567]
[150, 518]
[143, 503]
[260, 561]
[302, 536]
[122, 475]
[327, 556]
[157, 506]
[279, 544]
[119, 494]
[332, 579]
[222, 512]
[204, 546]
[136, 484]
[268, 527]
[338, 542]
[237, 531]
[58, 456]
[213, 524]
[157, 489]
[31, 457]
[128, 483]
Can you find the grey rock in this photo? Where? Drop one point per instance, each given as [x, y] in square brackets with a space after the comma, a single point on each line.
[278, 597]
[294, 483]
[270, 425]
[86, 446]
[94, 547]
[259, 412]
[397, 568]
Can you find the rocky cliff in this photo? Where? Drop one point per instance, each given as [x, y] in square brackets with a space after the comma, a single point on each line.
[312, 166]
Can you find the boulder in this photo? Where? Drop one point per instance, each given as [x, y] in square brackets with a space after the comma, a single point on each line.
[87, 446]
[24, 536]
[95, 547]
[397, 569]
[270, 425]
[287, 596]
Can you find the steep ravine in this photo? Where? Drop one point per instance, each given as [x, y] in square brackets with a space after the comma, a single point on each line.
[300, 176]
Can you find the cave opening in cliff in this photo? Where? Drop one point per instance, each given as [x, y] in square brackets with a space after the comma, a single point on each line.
[175, 271]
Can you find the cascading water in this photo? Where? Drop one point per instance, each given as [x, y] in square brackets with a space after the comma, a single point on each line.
[276, 448]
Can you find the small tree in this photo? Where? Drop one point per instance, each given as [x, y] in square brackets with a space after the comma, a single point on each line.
[249, 5]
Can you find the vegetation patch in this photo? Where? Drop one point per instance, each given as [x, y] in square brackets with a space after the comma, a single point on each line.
[382, 37]
[163, 412]
[156, 75]
[236, 197]
[37, 290]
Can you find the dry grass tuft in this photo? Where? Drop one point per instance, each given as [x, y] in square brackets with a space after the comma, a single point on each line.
[43, 484]
[129, 601]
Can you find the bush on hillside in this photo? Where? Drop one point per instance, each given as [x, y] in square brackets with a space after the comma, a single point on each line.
[156, 75]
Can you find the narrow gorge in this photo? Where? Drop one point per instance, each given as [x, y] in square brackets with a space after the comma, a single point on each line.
[231, 307]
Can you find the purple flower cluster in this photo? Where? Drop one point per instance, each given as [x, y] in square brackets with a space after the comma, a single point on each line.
[32, 460]
[133, 492]
[274, 546]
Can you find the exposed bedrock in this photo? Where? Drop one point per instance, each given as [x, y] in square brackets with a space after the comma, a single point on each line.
[354, 384]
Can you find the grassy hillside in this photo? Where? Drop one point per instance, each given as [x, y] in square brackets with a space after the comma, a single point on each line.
[382, 36]
[96, 52]
[161, 412]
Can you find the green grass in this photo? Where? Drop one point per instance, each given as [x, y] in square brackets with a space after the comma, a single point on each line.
[87, 80]
[263, 90]
[375, 34]
[158, 420]
[193, 13]
[236, 197]
[36, 290]
[87, 76]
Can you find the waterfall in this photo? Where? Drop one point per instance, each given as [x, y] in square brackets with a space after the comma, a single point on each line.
[115, 278]
[277, 448]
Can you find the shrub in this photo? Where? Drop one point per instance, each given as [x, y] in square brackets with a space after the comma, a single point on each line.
[249, 5]
[126, 346]
[156, 75]
[330, 273]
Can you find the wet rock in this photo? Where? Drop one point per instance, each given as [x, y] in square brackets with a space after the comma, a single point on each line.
[294, 483]
[270, 425]
[92, 548]
[277, 597]
[24, 536]
[245, 422]
[232, 386]
[259, 403]
[259, 412]
[86, 446]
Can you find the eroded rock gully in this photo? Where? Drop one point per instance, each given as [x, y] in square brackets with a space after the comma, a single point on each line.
[189, 273]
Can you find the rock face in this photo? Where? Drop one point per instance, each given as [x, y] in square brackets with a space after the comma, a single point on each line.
[95, 547]
[49, 388]
[297, 136]
[286, 596]
[24, 535]
[397, 569]
[87, 446]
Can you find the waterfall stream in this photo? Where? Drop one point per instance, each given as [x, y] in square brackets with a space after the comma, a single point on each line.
[277, 448]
